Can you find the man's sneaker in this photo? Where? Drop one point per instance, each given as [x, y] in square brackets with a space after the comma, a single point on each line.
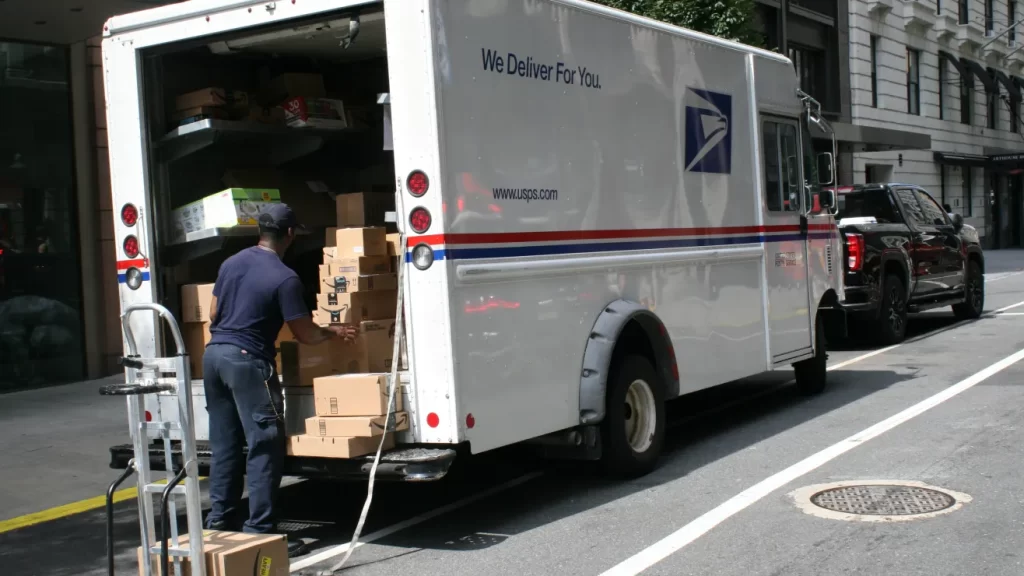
[297, 548]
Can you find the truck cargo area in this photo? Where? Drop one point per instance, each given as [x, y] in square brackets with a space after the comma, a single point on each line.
[298, 114]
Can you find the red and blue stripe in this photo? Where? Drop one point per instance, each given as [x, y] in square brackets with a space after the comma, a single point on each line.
[475, 246]
[123, 265]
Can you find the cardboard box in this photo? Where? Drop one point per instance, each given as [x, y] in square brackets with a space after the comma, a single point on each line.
[316, 447]
[353, 395]
[355, 307]
[355, 242]
[202, 113]
[195, 302]
[225, 209]
[266, 114]
[372, 350]
[356, 266]
[231, 553]
[301, 364]
[344, 283]
[285, 335]
[331, 237]
[393, 240]
[323, 113]
[212, 97]
[196, 336]
[356, 426]
[292, 84]
[313, 208]
[359, 209]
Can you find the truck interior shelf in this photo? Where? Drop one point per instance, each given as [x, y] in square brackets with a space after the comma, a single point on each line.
[203, 242]
[283, 143]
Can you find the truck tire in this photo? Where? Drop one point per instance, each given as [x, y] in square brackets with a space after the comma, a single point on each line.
[892, 312]
[974, 294]
[812, 374]
[633, 430]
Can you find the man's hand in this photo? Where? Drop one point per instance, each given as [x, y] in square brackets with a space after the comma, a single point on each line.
[346, 332]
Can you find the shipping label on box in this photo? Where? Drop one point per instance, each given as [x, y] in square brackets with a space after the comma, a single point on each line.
[363, 209]
[354, 242]
[225, 209]
[355, 307]
[216, 97]
[195, 302]
[301, 364]
[361, 266]
[353, 395]
[344, 283]
[356, 426]
[317, 447]
[326, 113]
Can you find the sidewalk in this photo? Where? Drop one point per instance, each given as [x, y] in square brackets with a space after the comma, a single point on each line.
[55, 448]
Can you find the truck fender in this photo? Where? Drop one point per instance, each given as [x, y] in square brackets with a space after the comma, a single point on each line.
[906, 264]
[642, 331]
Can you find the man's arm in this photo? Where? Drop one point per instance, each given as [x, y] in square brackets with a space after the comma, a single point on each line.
[213, 308]
[308, 333]
[295, 313]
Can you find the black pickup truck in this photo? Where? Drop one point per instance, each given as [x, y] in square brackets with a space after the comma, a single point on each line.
[904, 253]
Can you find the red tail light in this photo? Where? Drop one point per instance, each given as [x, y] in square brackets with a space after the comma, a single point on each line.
[131, 247]
[129, 215]
[854, 252]
[417, 183]
[419, 219]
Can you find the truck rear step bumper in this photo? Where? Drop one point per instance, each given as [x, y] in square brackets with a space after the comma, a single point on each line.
[413, 464]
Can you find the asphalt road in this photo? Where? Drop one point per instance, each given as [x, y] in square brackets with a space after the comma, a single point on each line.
[722, 501]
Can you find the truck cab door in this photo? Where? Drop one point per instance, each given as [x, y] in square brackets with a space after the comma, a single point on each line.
[927, 245]
[954, 258]
[785, 238]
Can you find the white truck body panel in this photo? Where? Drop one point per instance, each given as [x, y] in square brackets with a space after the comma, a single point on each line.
[578, 156]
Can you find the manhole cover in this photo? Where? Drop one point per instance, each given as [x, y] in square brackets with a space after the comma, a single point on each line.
[877, 500]
[882, 500]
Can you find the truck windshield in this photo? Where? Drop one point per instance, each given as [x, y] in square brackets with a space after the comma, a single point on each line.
[867, 203]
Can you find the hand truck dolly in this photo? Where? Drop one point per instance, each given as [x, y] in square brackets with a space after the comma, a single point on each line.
[150, 376]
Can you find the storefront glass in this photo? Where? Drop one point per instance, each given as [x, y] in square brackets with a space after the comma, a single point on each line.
[40, 289]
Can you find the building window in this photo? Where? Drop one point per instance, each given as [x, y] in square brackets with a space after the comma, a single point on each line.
[810, 70]
[966, 97]
[993, 109]
[965, 175]
[942, 89]
[964, 11]
[1011, 20]
[874, 71]
[913, 81]
[990, 18]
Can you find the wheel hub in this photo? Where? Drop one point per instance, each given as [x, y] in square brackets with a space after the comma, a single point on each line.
[640, 416]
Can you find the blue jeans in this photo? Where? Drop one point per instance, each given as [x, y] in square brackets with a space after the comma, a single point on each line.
[245, 405]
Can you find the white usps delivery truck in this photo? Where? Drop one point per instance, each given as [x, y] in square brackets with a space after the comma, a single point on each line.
[600, 212]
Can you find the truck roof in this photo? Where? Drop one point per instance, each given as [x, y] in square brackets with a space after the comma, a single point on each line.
[176, 12]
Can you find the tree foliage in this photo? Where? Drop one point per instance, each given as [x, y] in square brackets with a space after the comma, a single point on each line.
[730, 19]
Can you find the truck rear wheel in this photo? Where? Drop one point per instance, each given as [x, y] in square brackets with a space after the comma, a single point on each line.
[892, 313]
[974, 294]
[812, 374]
[633, 430]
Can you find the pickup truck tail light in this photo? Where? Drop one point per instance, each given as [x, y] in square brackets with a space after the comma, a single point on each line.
[854, 252]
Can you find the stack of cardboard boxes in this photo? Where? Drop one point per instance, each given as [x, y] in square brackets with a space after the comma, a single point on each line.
[195, 317]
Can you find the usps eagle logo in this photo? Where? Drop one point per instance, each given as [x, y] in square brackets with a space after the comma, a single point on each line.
[708, 135]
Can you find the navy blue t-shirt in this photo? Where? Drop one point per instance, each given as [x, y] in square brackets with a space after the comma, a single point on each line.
[256, 294]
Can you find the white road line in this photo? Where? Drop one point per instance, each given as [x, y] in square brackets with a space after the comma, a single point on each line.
[1002, 276]
[1010, 314]
[701, 526]
[341, 549]
[1010, 307]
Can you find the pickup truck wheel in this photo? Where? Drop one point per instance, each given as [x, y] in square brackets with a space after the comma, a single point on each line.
[892, 314]
[974, 294]
[811, 374]
[633, 430]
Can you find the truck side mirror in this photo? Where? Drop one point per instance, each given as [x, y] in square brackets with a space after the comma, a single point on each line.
[825, 176]
[827, 200]
[958, 222]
